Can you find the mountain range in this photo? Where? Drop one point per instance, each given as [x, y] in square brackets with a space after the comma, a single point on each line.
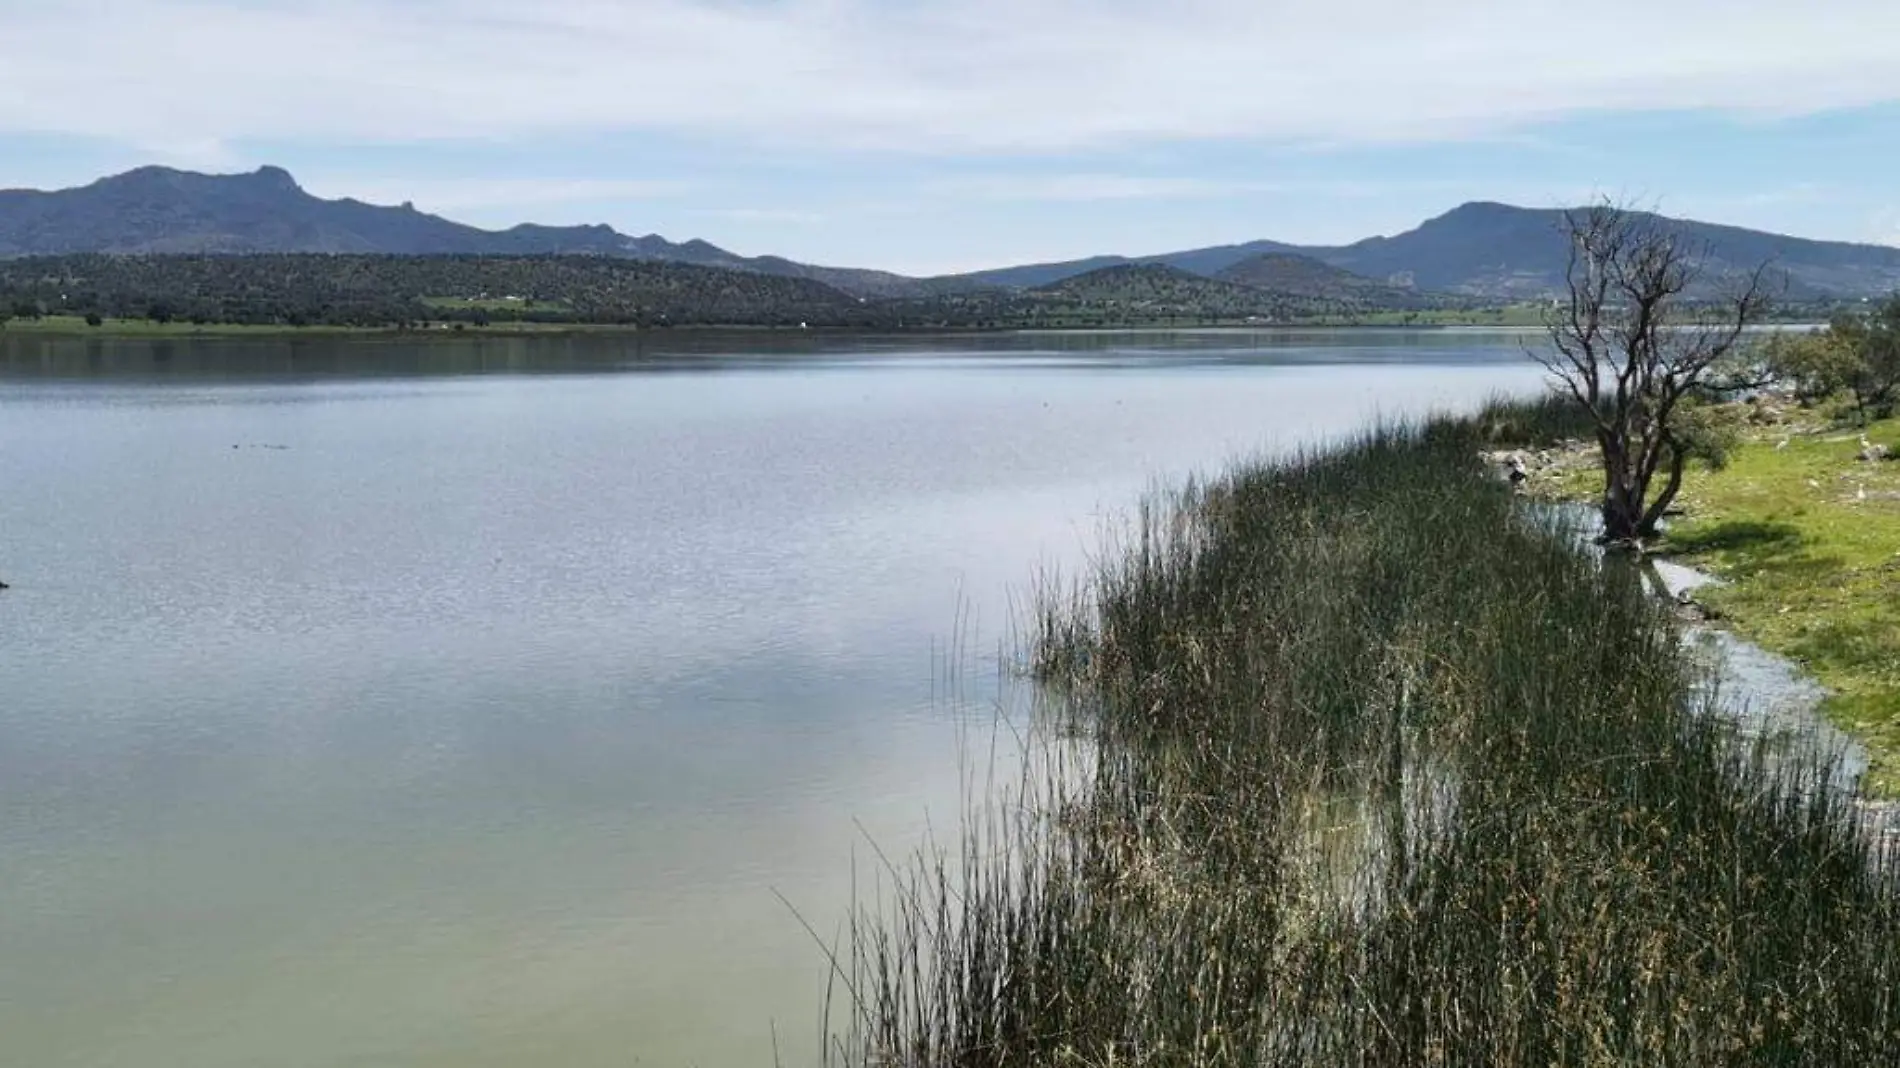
[1485, 251]
[158, 211]
[1502, 252]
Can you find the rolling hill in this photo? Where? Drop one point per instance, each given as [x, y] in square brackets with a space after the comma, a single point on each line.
[1306, 278]
[1142, 294]
[1149, 286]
[350, 289]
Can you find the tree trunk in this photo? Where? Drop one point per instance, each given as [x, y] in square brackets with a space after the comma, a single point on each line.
[1622, 521]
[1623, 490]
[1678, 459]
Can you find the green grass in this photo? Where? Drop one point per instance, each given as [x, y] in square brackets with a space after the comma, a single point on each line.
[1364, 764]
[1518, 315]
[1814, 569]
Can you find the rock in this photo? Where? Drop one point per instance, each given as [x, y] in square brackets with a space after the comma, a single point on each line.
[1694, 610]
[1515, 472]
[1509, 465]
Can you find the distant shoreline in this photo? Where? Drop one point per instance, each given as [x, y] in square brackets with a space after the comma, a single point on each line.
[73, 327]
[139, 329]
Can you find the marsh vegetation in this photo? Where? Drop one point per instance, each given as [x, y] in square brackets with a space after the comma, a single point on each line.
[1366, 764]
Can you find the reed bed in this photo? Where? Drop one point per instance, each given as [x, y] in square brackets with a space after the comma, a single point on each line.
[1360, 764]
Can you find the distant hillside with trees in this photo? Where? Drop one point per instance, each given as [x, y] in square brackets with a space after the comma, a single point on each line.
[1304, 277]
[393, 292]
[387, 291]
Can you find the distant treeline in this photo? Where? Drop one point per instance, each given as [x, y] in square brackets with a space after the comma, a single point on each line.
[389, 291]
[379, 291]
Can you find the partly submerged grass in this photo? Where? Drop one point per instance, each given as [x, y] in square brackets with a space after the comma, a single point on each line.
[1550, 418]
[1377, 770]
[1809, 538]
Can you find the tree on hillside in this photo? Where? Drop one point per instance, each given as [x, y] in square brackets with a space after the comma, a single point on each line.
[1871, 371]
[1815, 365]
[1632, 344]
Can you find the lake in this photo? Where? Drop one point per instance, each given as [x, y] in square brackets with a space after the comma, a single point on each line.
[476, 702]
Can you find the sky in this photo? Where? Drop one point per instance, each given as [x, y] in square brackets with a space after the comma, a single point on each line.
[930, 136]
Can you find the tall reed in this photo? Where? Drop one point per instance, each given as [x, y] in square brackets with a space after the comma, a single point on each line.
[1376, 769]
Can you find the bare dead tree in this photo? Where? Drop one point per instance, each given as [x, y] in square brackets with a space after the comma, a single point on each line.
[1631, 343]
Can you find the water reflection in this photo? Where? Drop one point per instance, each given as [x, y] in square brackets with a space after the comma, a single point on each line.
[440, 353]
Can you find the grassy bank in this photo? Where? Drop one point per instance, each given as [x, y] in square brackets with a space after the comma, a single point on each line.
[1373, 768]
[1519, 315]
[1808, 538]
[1804, 535]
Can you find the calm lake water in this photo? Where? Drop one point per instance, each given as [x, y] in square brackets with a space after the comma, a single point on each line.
[472, 703]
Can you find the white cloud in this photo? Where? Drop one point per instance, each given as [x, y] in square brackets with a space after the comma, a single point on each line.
[940, 76]
[1086, 188]
[771, 216]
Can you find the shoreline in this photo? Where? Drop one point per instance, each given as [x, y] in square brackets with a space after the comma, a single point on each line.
[1803, 542]
[1775, 701]
[73, 328]
[138, 330]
